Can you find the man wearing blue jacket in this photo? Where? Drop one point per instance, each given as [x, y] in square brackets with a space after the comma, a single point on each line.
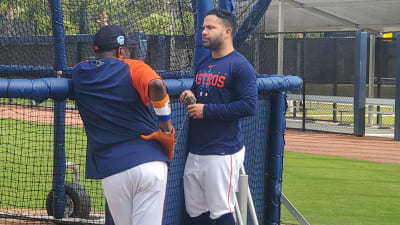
[126, 148]
[225, 88]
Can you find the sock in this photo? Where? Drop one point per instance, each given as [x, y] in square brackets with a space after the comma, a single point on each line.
[203, 219]
[226, 219]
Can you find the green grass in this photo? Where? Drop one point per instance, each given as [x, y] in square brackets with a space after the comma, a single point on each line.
[338, 191]
[26, 163]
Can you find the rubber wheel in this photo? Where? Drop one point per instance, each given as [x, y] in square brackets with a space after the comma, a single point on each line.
[77, 201]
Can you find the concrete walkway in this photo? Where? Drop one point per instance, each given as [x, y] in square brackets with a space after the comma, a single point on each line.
[374, 131]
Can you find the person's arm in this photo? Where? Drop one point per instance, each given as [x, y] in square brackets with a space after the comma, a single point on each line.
[245, 87]
[160, 101]
[158, 94]
[152, 89]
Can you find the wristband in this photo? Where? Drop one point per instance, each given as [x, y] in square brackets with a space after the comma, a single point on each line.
[162, 109]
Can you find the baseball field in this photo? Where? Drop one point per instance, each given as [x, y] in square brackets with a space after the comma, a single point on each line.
[331, 190]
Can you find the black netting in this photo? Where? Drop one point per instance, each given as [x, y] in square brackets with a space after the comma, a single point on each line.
[163, 31]
[164, 38]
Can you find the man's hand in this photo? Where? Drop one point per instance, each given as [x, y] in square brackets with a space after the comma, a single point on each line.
[186, 94]
[195, 111]
[166, 140]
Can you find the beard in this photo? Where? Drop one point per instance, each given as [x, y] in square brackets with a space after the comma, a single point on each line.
[213, 43]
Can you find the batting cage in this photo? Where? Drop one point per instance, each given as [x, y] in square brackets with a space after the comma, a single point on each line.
[42, 139]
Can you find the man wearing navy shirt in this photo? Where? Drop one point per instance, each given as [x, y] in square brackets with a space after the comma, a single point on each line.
[225, 90]
[126, 148]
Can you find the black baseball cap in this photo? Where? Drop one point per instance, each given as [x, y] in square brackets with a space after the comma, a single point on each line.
[110, 37]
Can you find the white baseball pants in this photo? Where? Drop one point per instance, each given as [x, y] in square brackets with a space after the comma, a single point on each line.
[210, 182]
[136, 196]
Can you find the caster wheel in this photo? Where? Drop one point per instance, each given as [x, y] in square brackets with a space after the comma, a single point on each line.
[77, 201]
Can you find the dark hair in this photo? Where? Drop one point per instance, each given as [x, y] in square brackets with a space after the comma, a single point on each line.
[227, 17]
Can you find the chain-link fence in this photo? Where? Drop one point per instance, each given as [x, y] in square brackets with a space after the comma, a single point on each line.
[325, 61]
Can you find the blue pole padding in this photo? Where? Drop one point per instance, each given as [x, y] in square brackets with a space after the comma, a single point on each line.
[39, 90]
[397, 100]
[60, 61]
[227, 4]
[360, 82]
[59, 166]
[275, 159]
[57, 24]
[200, 53]
[59, 89]
[250, 22]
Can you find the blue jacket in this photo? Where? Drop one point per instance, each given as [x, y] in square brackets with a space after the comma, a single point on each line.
[112, 98]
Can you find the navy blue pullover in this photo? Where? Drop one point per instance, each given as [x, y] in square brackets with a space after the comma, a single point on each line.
[112, 98]
[228, 88]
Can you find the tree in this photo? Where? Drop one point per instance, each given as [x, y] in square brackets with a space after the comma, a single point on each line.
[149, 16]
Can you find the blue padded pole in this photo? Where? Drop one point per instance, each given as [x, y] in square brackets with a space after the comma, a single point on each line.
[397, 100]
[275, 160]
[250, 22]
[60, 58]
[227, 4]
[59, 166]
[59, 160]
[360, 77]
[202, 6]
